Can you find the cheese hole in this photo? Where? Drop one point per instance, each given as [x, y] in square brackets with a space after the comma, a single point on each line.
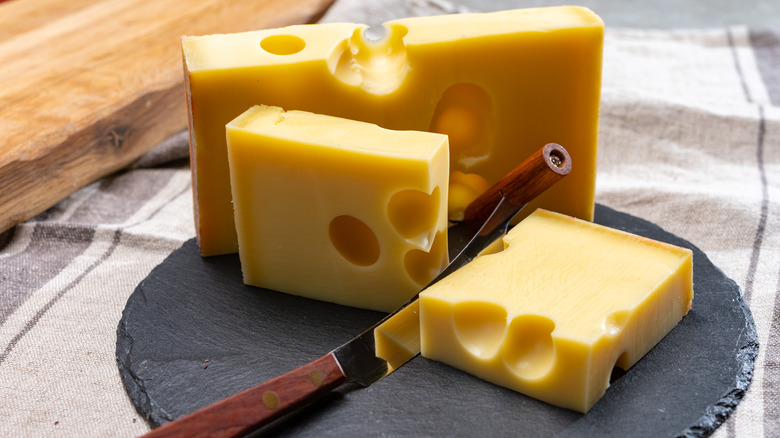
[615, 322]
[354, 240]
[528, 349]
[282, 44]
[463, 113]
[424, 266]
[374, 33]
[373, 59]
[619, 370]
[464, 189]
[412, 212]
[623, 361]
[463, 126]
[480, 327]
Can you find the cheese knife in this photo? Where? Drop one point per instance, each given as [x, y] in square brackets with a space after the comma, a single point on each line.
[392, 341]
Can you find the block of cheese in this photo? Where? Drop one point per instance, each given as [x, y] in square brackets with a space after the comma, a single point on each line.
[335, 209]
[558, 308]
[498, 84]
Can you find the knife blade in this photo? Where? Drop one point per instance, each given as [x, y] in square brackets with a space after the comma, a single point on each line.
[392, 341]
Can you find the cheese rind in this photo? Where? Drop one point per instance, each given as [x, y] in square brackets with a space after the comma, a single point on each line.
[554, 312]
[499, 84]
[337, 210]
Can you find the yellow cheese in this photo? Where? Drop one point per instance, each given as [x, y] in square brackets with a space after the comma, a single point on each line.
[499, 84]
[554, 312]
[335, 209]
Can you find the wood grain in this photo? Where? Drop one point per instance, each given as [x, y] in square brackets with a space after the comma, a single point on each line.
[86, 87]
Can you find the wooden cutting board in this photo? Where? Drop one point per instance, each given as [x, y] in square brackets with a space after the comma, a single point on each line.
[86, 87]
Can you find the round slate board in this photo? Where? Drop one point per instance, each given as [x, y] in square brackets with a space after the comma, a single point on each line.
[192, 333]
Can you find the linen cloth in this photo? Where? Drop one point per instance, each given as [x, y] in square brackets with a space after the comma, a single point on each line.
[689, 139]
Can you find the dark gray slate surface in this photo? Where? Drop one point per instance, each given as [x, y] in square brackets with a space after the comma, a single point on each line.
[192, 334]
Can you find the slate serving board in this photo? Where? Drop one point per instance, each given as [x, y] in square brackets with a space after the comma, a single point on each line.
[192, 334]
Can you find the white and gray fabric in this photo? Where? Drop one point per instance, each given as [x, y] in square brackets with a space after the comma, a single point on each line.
[689, 140]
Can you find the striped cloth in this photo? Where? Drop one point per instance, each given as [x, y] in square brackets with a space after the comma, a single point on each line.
[689, 139]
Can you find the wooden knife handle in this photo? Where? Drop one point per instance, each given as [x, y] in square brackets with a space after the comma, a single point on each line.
[525, 182]
[256, 407]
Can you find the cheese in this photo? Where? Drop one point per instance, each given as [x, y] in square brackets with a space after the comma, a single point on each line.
[335, 209]
[554, 312]
[499, 84]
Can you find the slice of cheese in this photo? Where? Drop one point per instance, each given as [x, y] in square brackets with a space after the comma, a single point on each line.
[335, 209]
[498, 84]
[554, 312]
